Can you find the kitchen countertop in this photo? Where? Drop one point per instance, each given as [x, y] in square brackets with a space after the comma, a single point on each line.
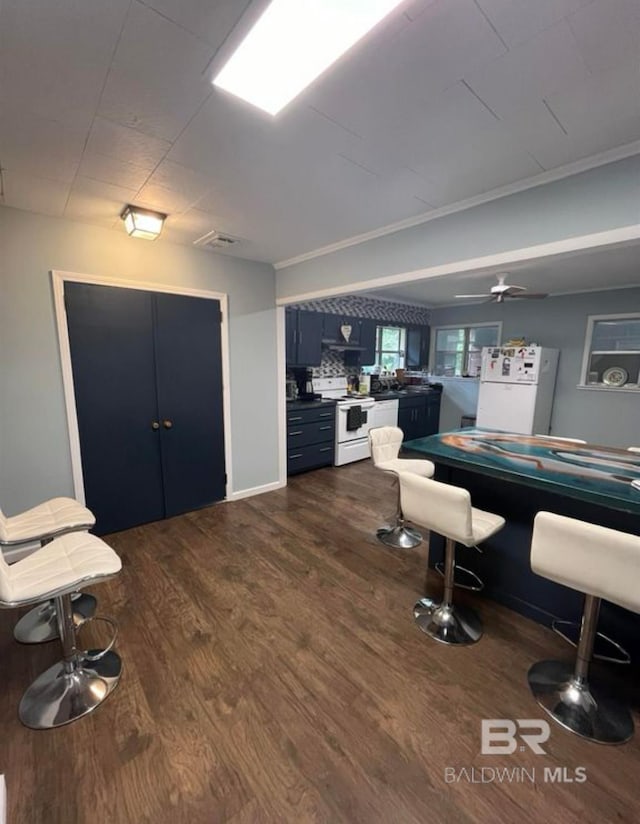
[297, 404]
[404, 393]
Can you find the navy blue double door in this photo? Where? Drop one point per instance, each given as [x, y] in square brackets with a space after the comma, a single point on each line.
[147, 374]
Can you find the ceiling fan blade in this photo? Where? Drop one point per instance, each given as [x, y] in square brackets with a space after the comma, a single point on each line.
[511, 287]
[474, 296]
[530, 296]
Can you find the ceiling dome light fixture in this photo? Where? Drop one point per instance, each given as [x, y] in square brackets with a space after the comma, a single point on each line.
[142, 222]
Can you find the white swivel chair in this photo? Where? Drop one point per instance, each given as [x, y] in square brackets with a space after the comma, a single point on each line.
[43, 523]
[82, 680]
[385, 443]
[602, 563]
[447, 510]
[633, 449]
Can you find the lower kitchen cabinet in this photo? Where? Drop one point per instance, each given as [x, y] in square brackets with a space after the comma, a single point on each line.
[310, 436]
[419, 415]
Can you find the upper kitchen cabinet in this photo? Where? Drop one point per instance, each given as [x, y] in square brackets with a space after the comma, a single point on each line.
[417, 347]
[303, 337]
[340, 329]
[368, 330]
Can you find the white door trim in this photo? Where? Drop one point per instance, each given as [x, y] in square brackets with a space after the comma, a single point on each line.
[58, 279]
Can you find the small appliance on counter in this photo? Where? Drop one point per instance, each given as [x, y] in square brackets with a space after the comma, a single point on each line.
[304, 382]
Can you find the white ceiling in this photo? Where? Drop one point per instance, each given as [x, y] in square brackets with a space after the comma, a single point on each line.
[107, 103]
[615, 266]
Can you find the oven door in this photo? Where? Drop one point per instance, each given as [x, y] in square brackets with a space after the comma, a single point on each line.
[344, 435]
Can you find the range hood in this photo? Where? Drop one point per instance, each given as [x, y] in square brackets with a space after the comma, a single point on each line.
[334, 346]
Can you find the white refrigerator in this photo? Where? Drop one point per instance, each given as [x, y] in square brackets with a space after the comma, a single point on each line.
[516, 389]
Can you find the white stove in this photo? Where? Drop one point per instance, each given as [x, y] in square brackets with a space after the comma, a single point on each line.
[352, 424]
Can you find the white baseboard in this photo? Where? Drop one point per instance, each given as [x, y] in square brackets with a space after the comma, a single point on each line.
[256, 490]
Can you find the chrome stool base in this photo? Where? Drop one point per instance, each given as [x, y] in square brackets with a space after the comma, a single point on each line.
[577, 705]
[59, 696]
[399, 537]
[447, 623]
[40, 624]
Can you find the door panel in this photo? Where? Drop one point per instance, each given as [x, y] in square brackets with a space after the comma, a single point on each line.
[189, 376]
[112, 357]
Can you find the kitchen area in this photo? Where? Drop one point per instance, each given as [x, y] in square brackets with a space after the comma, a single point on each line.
[335, 391]
[566, 366]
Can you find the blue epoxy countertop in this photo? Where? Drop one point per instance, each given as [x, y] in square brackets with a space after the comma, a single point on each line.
[595, 474]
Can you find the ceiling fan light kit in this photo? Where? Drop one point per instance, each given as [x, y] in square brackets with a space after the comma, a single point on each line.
[502, 290]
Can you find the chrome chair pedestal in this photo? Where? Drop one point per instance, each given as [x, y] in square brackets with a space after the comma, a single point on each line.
[74, 686]
[40, 624]
[442, 620]
[446, 623]
[399, 536]
[564, 692]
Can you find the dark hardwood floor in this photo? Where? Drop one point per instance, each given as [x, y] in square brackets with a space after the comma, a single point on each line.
[273, 673]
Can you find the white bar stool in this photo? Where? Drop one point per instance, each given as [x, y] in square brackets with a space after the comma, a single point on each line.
[82, 680]
[602, 563]
[43, 523]
[447, 510]
[385, 443]
[633, 449]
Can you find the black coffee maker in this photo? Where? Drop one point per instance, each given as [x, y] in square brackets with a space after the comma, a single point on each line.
[304, 380]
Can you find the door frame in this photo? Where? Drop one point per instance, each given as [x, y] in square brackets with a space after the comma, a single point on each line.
[58, 280]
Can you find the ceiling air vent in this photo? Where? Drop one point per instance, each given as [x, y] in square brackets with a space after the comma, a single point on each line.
[216, 240]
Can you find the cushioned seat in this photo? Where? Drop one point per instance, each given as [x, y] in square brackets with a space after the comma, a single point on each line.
[42, 523]
[384, 444]
[82, 680]
[447, 510]
[50, 518]
[68, 561]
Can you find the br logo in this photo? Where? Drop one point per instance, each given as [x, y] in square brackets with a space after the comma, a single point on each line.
[501, 736]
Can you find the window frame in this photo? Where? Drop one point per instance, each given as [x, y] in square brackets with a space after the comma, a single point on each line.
[587, 351]
[465, 352]
[401, 351]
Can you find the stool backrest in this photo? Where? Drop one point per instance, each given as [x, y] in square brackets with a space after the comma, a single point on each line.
[385, 443]
[4, 532]
[633, 449]
[591, 559]
[443, 508]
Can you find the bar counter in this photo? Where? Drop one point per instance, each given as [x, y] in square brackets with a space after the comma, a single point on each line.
[517, 476]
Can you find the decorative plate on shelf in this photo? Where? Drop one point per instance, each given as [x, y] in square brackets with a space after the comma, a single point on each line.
[615, 376]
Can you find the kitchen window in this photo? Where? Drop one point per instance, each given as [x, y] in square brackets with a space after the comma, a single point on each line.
[391, 347]
[612, 352]
[458, 349]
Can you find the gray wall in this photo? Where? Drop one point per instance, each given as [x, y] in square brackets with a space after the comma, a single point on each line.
[600, 199]
[603, 417]
[34, 450]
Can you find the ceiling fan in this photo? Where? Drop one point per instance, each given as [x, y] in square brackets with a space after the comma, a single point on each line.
[503, 290]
